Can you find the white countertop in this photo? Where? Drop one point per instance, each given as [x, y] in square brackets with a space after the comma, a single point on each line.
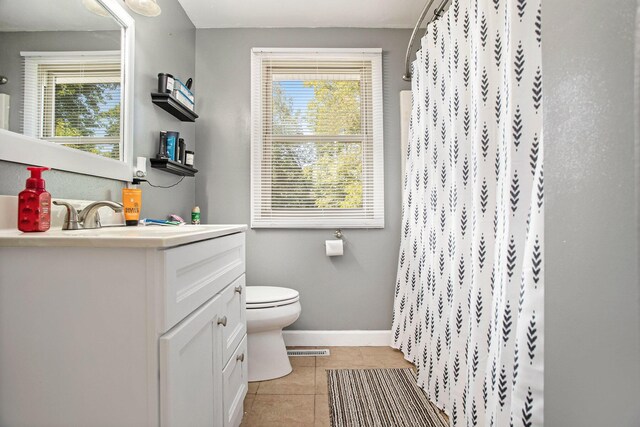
[150, 236]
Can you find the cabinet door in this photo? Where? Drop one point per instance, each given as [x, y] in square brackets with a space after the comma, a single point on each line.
[235, 384]
[191, 370]
[233, 307]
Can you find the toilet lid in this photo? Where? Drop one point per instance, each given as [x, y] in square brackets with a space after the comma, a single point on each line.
[270, 295]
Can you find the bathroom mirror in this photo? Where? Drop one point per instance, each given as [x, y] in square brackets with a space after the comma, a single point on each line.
[67, 100]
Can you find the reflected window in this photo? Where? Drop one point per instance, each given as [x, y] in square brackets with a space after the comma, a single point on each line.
[73, 99]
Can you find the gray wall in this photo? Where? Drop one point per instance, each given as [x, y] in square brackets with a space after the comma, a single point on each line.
[60, 184]
[163, 44]
[350, 292]
[166, 44]
[12, 43]
[592, 350]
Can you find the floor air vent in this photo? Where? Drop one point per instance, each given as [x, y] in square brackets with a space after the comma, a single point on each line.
[314, 352]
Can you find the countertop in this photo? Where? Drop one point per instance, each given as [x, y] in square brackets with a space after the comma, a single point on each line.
[150, 236]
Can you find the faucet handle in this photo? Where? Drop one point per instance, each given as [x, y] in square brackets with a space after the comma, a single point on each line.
[70, 217]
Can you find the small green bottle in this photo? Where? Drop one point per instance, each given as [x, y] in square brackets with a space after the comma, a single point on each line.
[195, 215]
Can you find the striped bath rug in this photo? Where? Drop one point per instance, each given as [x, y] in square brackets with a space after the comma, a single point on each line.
[380, 398]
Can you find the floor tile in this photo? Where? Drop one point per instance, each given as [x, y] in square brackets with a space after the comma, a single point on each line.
[281, 411]
[321, 380]
[253, 387]
[384, 357]
[248, 404]
[300, 398]
[379, 351]
[308, 361]
[300, 381]
[322, 411]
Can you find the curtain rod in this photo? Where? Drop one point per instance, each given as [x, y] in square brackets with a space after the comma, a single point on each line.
[437, 13]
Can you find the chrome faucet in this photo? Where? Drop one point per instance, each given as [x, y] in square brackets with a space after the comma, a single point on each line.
[88, 217]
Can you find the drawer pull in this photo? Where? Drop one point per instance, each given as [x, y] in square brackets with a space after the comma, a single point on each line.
[222, 321]
[240, 357]
[239, 289]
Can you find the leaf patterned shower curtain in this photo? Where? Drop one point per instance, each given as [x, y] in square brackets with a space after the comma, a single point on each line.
[468, 305]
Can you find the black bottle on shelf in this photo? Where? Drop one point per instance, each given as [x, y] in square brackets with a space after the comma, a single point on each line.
[182, 147]
[162, 149]
[165, 83]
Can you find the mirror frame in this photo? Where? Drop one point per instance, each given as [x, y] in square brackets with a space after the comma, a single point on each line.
[18, 148]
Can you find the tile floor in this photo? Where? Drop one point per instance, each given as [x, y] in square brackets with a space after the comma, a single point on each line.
[300, 398]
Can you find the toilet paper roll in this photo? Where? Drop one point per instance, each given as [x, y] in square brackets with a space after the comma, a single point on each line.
[334, 247]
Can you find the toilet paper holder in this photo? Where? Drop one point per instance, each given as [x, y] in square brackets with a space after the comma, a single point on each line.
[339, 235]
[335, 247]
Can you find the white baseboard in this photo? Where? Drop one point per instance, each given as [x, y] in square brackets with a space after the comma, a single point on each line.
[337, 338]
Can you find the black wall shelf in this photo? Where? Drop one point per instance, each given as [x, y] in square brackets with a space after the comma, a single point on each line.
[173, 167]
[173, 107]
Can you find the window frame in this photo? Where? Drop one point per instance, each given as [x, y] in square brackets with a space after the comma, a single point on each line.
[371, 215]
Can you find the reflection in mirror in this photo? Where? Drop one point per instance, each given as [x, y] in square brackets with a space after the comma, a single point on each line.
[64, 72]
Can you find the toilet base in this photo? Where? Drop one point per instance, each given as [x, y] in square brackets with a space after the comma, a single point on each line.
[267, 356]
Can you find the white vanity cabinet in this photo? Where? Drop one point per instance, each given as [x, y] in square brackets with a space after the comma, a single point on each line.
[123, 332]
[209, 344]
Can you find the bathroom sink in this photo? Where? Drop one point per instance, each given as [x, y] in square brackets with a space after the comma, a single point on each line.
[155, 230]
[121, 236]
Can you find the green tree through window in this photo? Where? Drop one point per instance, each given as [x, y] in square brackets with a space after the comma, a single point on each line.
[326, 173]
[89, 110]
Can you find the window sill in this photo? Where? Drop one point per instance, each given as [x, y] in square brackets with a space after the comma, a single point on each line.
[18, 148]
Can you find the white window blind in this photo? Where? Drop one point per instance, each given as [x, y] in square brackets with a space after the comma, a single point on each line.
[316, 142]
[74, 99]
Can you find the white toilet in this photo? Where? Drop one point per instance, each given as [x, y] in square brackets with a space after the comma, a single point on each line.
[269, 309]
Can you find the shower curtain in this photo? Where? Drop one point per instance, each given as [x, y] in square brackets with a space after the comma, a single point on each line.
[468, 307]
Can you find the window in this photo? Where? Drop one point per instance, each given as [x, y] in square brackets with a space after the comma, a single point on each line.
[317, 138]
[73, 98]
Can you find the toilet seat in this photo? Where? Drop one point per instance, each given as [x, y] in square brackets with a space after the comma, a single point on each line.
[270, 296]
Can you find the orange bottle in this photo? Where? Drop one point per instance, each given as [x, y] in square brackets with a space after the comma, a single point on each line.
[132, 202]
[34, 203]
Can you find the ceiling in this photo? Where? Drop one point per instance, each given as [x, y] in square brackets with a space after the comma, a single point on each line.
[70, 15]
[51, 15]
[303, 13]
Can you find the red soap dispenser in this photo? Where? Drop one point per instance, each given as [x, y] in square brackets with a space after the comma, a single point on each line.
[34, 204]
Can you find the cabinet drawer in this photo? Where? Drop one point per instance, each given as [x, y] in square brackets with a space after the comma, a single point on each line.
[235, 378]
[233, 308]
[194, 273]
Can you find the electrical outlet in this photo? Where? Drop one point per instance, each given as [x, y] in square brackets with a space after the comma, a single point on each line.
[141, 167]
